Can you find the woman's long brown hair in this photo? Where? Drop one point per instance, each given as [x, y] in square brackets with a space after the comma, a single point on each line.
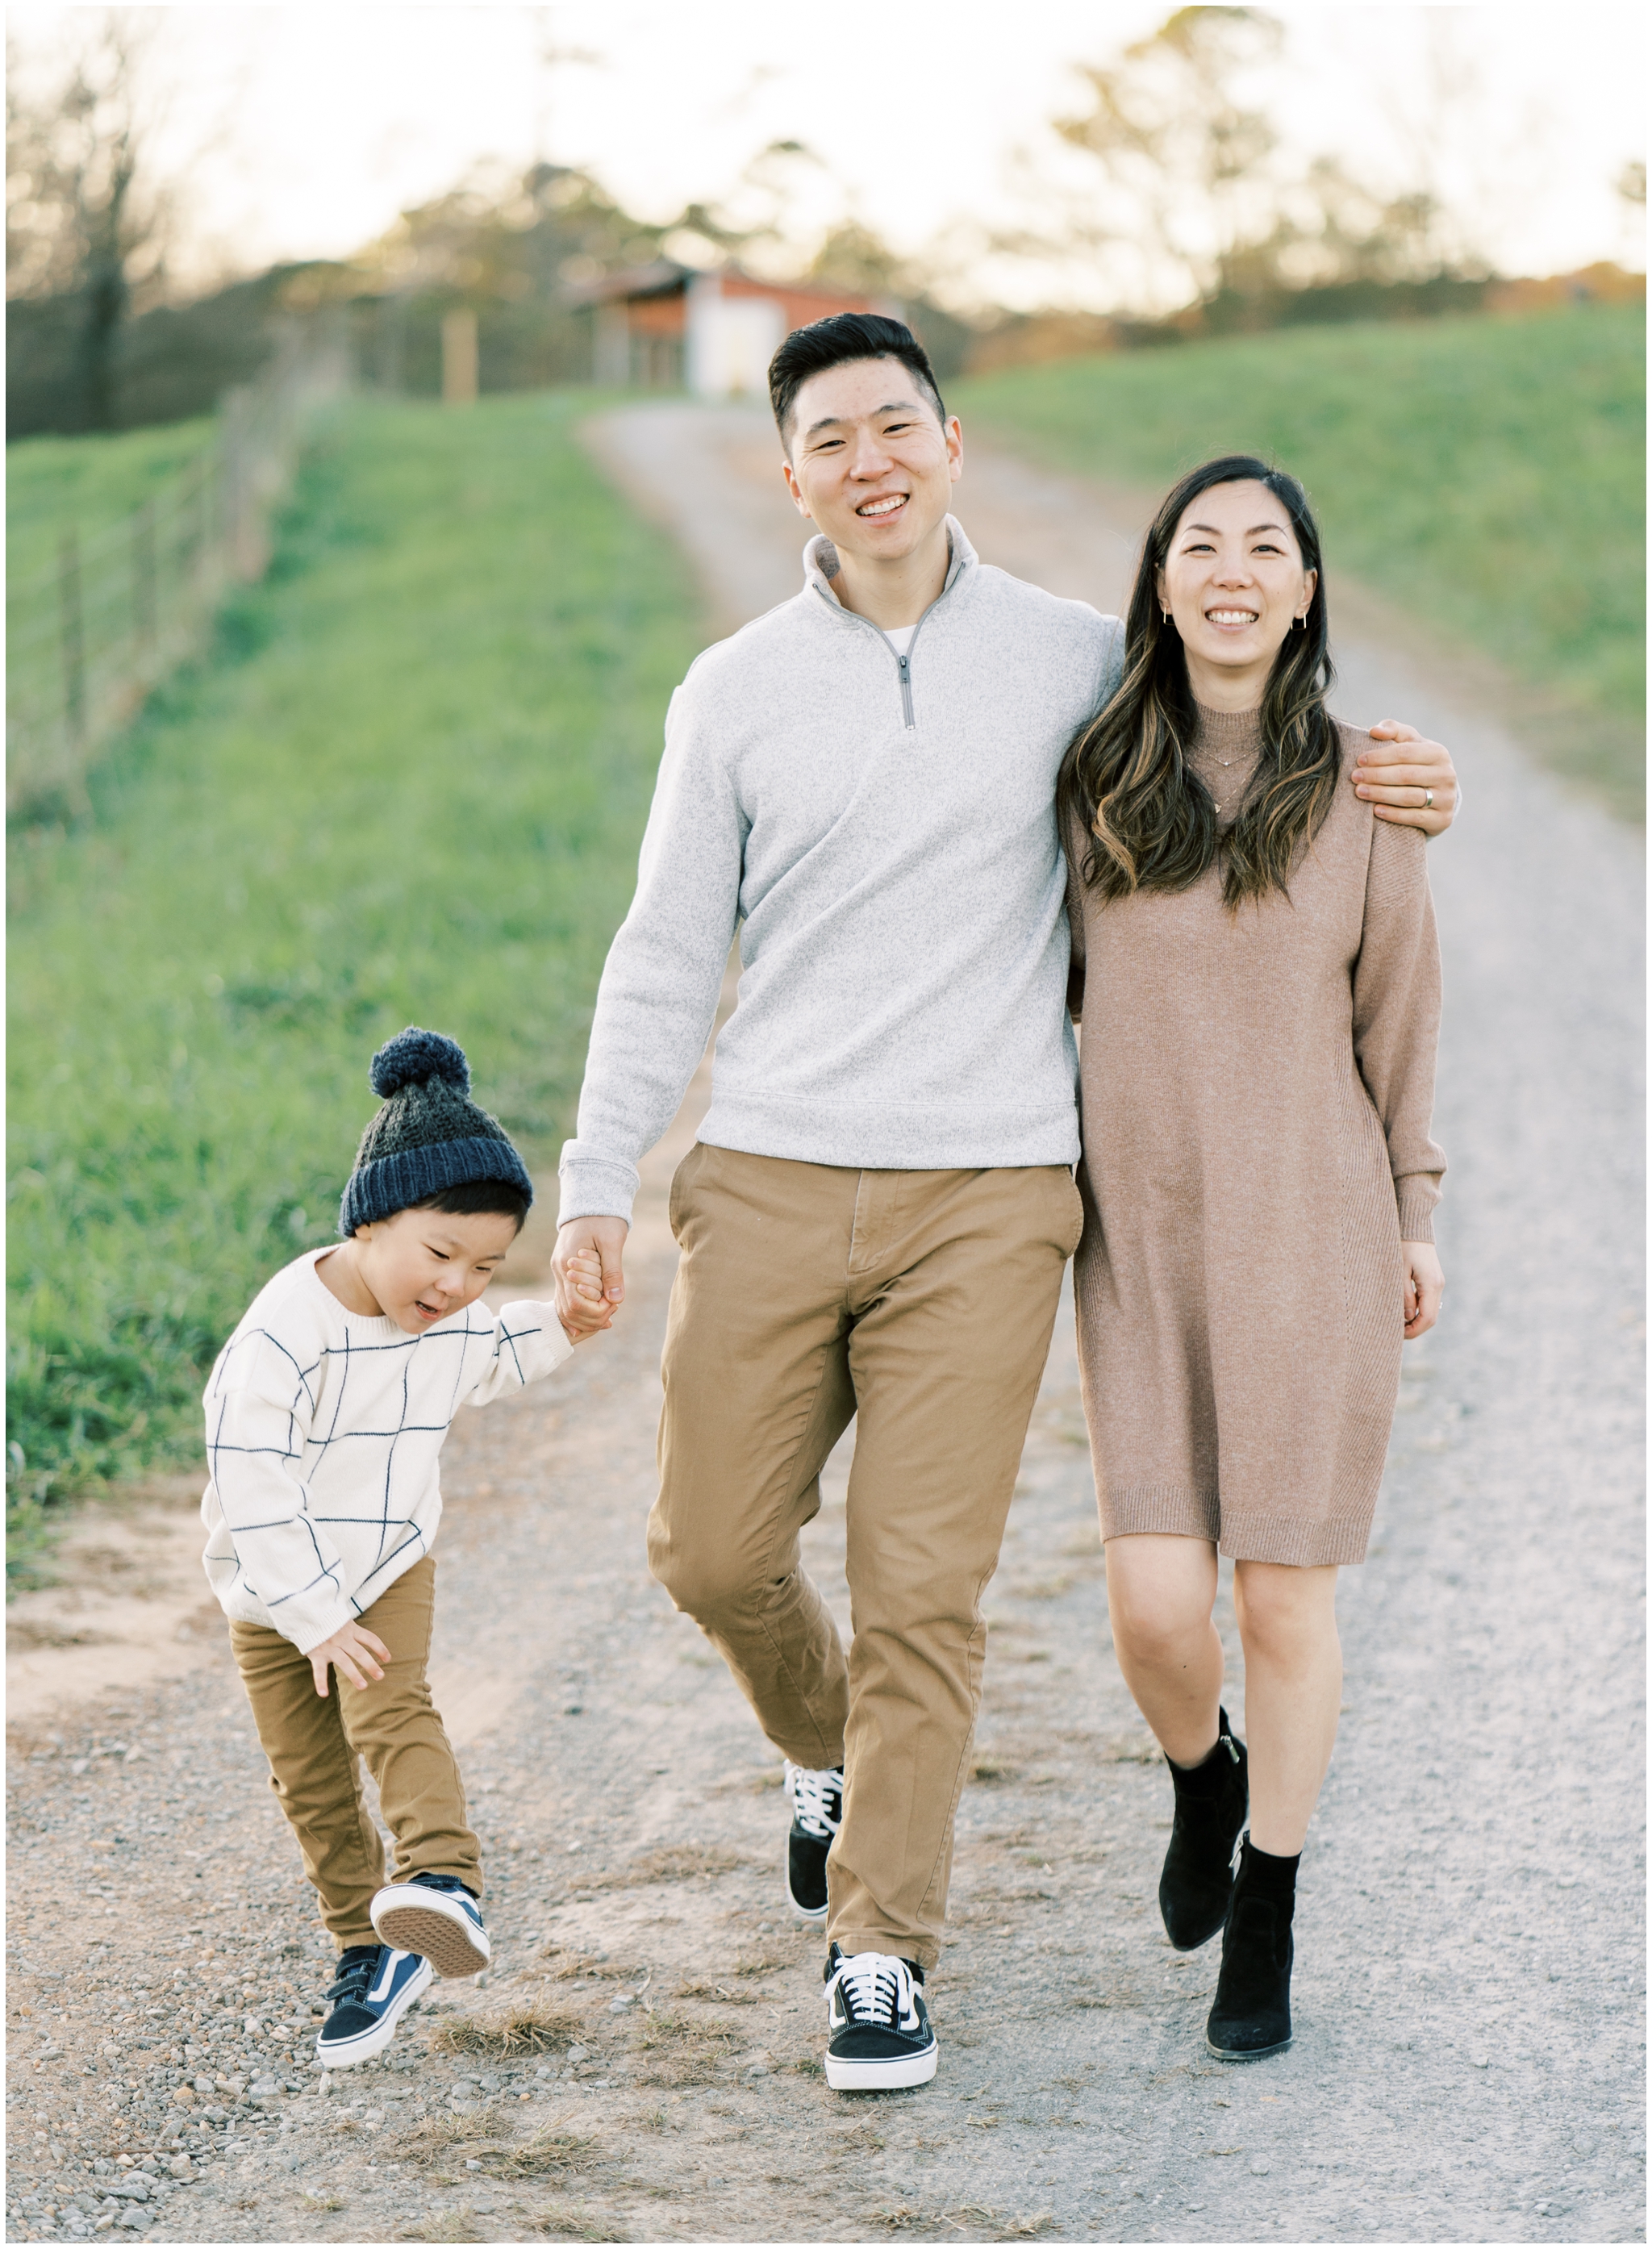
[1125, 781]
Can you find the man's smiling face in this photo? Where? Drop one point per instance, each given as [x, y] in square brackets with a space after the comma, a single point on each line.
[870, 462]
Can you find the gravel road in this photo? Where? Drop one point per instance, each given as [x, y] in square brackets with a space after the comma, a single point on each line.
[642, 2061]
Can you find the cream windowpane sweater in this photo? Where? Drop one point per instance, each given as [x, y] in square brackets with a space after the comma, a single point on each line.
[323, 1433]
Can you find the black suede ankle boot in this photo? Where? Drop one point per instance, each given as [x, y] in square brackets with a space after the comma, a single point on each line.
[1251, 2016]
[1197, 1881]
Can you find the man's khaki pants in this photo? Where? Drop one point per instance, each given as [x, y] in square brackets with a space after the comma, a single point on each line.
[922, 1301]
[314, 1743]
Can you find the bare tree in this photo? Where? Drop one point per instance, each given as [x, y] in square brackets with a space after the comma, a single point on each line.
[1189, 197]
[1186, 163]
[83, 220]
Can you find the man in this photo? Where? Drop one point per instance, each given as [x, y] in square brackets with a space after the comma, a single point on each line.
[876, 1214]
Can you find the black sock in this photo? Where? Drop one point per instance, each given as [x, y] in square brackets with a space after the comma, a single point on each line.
[1266, 1876]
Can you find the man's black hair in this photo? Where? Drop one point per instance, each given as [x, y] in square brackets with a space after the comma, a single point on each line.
[835, 342]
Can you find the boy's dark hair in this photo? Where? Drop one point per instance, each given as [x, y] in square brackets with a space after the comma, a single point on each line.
[480, 1199]
[836, 342]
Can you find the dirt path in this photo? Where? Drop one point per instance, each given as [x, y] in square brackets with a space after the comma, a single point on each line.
[1467, 2064]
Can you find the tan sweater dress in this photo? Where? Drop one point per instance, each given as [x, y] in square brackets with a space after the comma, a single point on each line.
[1256, 1091]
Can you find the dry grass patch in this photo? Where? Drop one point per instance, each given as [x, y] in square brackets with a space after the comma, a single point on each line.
[522, 2026]
[748, 1968]
[577, 2226]
[432, 2136]
[21, 1633]
[992, 1768]
[674, 1862]
[676, 2051]
[593, 1964]
[549, 2153]
[762, 1963]
[449, 2225]
[700, 1988]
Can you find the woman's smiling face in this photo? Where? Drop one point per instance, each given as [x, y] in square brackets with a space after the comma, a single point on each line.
[1234, 583]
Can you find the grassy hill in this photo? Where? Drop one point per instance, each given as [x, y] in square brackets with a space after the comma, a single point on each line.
[1487, 474]
[91, 483]
[407, 786]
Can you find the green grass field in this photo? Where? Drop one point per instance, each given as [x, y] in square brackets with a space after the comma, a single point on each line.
[89, 483]
[406, 787]
[1487, 474]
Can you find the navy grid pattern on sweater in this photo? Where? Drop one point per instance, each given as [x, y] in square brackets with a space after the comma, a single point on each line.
[324, 1431]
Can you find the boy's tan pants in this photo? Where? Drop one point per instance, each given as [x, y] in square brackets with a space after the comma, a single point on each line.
[313, 1741]
[923, 1300]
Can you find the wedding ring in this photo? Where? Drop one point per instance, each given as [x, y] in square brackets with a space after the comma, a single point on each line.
[1427, 799]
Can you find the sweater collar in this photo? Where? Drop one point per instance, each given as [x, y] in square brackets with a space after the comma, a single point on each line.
[1228, 734]
[821, 564]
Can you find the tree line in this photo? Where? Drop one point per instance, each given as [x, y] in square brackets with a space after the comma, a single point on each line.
[1171, 185]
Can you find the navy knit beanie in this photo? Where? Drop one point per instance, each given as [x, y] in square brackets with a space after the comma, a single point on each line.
[429, 1135]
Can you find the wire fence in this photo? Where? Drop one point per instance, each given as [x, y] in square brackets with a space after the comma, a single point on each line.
[91, 636]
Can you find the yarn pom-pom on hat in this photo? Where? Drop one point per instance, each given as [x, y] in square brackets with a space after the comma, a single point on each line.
[414, 1057]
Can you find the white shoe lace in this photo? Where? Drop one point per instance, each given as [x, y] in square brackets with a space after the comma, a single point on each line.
[876, 1987]
[817, 1800]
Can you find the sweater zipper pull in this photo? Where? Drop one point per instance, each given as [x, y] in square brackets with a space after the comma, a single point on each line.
[906, 690]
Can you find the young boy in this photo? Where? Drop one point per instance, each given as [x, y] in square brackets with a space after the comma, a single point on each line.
[325, 1416]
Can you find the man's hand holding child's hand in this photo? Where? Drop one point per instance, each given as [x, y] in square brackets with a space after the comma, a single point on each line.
[590, 1284]
[583, 1282]
[355, 1650]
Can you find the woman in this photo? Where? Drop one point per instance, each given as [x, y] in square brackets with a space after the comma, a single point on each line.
[1263, 996]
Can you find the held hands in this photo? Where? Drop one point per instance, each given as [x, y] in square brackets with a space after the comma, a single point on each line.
[1425, 1286]
[1397, 778]
[585, 1279]
[360, 1655]
[590, 1280]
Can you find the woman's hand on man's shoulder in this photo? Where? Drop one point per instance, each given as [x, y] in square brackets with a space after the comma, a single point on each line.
[1407, 778]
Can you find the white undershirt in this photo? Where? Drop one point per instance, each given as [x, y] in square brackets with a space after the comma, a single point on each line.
[900, 638]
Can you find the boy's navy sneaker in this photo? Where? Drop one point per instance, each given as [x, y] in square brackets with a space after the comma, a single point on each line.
[879, 2037]
[817, 1799]
[375, 1987]
[434, 1914]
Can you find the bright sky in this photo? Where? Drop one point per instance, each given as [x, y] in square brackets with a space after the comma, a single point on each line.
[304, 129]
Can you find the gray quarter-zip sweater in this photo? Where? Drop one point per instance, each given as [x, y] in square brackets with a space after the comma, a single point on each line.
[882, 830]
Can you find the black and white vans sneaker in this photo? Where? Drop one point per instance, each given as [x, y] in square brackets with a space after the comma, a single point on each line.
[375, 1987]
[879, 2037]
[817, 1799]
[436, 1915]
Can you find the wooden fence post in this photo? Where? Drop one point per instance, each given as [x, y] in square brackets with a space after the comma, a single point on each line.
[458, 357]
[200, 561]
[72, 624]
[143, 589]
[239, 537]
